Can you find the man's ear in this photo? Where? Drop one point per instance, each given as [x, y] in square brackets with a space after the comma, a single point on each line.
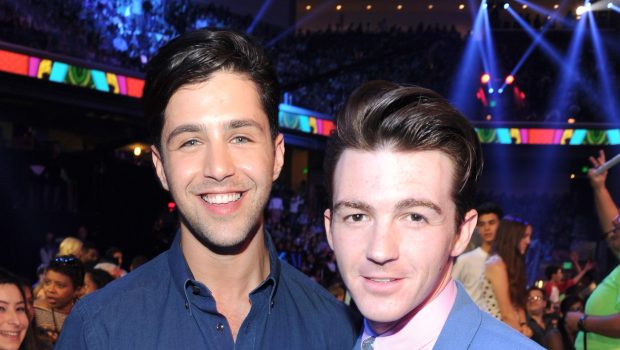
[279, 156]
[158, 163]
[461, 240]
[327, 221]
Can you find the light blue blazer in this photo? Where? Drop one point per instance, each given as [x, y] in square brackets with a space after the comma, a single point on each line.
[468, 327]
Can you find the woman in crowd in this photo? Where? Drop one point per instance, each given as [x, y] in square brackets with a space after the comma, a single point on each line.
[63, 283]
[14, 320]
[504, 280]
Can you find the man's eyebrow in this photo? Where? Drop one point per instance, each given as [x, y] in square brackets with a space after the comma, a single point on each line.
[352, 205]
[242, 123]
[412, 202]
[183, 128]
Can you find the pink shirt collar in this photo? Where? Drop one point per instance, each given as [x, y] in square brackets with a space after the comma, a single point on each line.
[422, 331]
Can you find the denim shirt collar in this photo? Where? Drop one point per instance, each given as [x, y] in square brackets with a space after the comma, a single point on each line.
[183, 279]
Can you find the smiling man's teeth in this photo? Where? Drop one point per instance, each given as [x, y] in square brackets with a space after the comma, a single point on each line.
[222, 198]
[382, 280]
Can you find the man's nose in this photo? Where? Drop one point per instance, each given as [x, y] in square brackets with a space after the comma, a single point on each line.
[218, 161]
[383, 246]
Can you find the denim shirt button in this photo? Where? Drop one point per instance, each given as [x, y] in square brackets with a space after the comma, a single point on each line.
[186, 305]
[219, 327]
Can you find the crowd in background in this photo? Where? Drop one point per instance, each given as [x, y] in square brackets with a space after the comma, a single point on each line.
[318, 69]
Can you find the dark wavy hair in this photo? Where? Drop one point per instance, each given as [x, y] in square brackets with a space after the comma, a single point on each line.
[509, 233]
[408, 118]
[193, 58]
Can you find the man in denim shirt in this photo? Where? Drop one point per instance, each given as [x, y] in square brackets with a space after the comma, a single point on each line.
[212, 98]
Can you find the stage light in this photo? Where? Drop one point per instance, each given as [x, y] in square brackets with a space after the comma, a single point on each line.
[524, 6]
[308, 7]
[485, 78]
[171, 206]
[572, 176]
[491, 90]
[137, 151]
[399, 7]
[500, 91]
[368, 7]
[571, 120]
[610, 5]
[430, 7]
[461, 6]
[488, 117]
[510, 79]
[580, 10]
[506, 6]
[338, 7]
[556, 6]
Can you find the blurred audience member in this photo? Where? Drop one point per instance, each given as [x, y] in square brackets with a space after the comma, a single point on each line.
[15, 332]
[95, 279]
[504, 281]
[470, 266]
[89, 255]
[63, 283]
[70, 246]
[537, 319]
[599, 324]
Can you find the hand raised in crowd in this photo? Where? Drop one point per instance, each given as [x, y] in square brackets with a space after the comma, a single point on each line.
[597, 181]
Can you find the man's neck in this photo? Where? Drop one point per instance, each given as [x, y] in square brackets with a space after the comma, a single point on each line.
[234, 274]
[230, 278]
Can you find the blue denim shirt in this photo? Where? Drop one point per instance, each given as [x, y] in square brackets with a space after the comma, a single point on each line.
[161, 306]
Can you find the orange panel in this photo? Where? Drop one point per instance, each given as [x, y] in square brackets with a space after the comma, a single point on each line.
[135, 87]
[12, 62]
[541, 136]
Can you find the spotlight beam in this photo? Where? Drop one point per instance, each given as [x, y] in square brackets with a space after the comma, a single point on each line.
[549, 50]
[605, 70]
[493, 65]
[465, 80]
[549, 13]
[568, 77]
[300, 22]
[259, 16]
[537, 39]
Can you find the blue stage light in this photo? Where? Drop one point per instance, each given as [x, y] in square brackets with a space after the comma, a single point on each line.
[506, 6]
[500, 91]
[491, 90]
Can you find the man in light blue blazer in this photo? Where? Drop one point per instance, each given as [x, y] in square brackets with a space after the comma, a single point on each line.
[401, 169]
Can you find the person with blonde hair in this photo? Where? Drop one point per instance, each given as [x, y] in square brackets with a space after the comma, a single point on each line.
[70, 246]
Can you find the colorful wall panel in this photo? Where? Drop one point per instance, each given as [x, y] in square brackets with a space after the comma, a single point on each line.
[64, 73]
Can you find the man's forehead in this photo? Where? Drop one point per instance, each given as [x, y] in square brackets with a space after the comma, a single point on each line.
[488, 217]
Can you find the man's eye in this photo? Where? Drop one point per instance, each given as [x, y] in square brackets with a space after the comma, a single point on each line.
[240, 139]
[415, 217]
[356, 217]
[190, 143]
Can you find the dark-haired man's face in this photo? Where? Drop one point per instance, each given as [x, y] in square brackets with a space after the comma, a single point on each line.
[487, 226]
[218, 159]
[392, 230]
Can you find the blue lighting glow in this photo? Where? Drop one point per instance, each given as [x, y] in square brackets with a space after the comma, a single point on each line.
[491, 90]
[500, 91]
[605, 71]
[506, 6]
